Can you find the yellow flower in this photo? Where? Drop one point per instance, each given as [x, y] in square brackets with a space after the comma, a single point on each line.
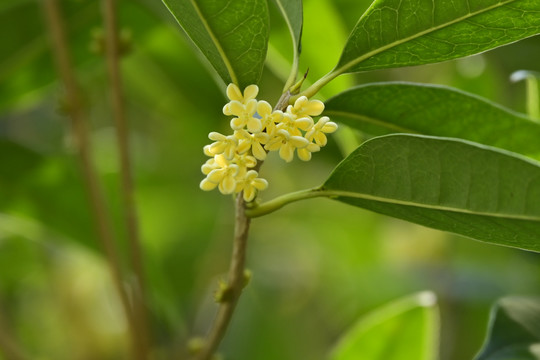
[304, 107]
[244, 162]
[304, 154]
[234, 93]
[244, 115]
[317, 133]
[222, 144]
[222, 175]
[251, 184]
[254, 142]
[269, 118]
[286, 144]
[293, 125]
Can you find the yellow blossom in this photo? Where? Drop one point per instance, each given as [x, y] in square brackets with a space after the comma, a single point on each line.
[304, 154]
[250, 184]
[317, 133]
[244, 115]
[234, 93]
[223, 176]
[269, 118]
[286, 144]
[293, 125]
[254, 142]
[225, 145]
[304, 107]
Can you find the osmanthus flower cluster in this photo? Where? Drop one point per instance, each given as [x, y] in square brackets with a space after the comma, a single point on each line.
[257, 130]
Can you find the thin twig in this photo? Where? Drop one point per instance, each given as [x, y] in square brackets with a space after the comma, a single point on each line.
[83, 146]
[9, 348]
[236, 282]
[126, 172]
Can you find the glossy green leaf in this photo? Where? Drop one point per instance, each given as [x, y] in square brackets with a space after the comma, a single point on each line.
[514, 330]
[394, 33]
[448, 184]
[402, 330]
[384, 108]
[232, 35]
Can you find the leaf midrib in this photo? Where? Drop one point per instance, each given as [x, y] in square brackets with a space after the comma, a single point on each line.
[371, 120]
[216, 42]
[359, 59]
[339, 193]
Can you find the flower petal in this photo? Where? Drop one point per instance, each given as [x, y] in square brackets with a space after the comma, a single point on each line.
[207, 185]
[234, 93]
[250, 92]
[264, 108]
[228, 185]
[286, 152]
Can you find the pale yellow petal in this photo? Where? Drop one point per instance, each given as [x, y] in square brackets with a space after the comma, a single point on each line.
[264, 108]
[254, 125]
[250, 92]
[260, 184]
[237, 123]
[250, 107]
[206, 150]
[329, 127]
[236, 108]
[227, 185]
[216, 175]
[286, 152]
[216, 136]
[304, 123]
[249, 193]
[314, 108]
[304, 154]
[298, 141]
[207, 185]
[243, 146]
[234, 93]
[258, 151]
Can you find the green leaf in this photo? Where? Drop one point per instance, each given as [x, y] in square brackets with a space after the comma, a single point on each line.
[402, 330]
[232, 35]
[514, 330]
[394, 33]
[448, 184]
[292, 13]
[383, 108]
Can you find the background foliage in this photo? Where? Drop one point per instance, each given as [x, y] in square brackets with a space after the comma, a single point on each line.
[313, 275]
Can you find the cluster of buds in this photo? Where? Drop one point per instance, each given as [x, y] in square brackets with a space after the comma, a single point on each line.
[257, 130]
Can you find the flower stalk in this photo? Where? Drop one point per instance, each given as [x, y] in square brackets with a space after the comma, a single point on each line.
[235, 283]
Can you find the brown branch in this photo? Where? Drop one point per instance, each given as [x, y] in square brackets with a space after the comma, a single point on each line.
[9, 347]
[127, 185]
[236, 282]
[83, 145]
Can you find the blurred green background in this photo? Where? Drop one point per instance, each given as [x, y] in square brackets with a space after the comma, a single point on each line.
[318, 265]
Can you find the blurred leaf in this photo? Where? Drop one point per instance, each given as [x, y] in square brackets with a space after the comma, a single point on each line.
[232, 35]
[383, 108]
[447, 184]
[402, 330]
[17, 162]
[292, 13]
[394, 33]
[514, 330]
